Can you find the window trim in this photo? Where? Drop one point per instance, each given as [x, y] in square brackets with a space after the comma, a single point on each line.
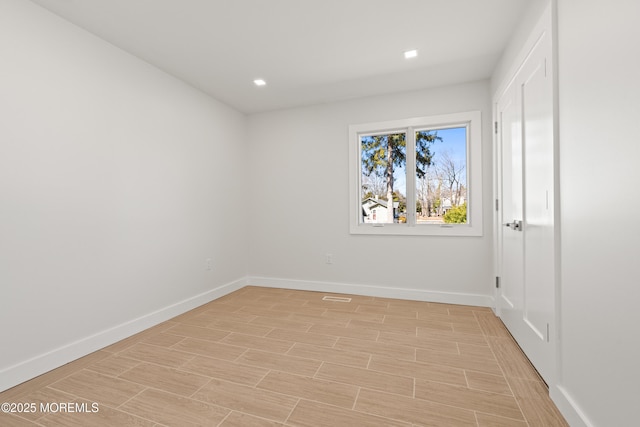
[473, 227]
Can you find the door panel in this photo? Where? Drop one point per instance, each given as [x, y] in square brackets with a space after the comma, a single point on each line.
[538, 183]
[512, 244]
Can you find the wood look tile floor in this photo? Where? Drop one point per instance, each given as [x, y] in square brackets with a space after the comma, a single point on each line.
[277, 357]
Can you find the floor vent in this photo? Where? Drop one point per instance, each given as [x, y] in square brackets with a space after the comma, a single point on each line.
[336, 299]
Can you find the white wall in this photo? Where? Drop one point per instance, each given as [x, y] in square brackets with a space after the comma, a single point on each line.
[599, 108]
[299, 203]
[117, 181]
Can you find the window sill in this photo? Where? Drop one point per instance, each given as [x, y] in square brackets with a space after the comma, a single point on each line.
[455, 230]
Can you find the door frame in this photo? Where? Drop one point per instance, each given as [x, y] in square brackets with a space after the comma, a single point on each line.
[547, 22]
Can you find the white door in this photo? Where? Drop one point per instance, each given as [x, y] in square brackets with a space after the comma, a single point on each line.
[525, 233]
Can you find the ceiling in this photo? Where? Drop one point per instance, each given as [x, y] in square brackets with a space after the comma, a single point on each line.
[308, 51]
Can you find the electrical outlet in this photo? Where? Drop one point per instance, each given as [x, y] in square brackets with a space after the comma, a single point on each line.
[209, 264]
[328, 258]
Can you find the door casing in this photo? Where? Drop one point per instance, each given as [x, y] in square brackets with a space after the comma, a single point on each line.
[525, 261]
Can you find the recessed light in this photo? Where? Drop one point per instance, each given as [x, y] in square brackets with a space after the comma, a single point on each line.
[410, 54]
[259, 82]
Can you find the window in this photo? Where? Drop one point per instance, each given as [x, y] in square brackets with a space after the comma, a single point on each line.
[420, 176]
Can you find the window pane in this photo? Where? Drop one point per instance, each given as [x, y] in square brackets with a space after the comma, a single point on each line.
[383, 178]
[441, 176]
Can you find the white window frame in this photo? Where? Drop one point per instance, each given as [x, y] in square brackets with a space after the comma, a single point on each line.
[472, 121]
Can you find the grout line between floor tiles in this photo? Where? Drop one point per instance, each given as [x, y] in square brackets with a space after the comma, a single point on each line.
[334, 344]
[126, 370]
[182, 396]
[508, 418]
[318, 370]
[353, 407]
[132, 397]
[465, 409]
[285, 353]
[124, 411]
[174, 368]
[63, 378]
[262, 379]
[193, 356]
[224, 419]
[515, 397]
[508, 384]
[174, 344]
[46, 419]
[292, 409]
[475, 415]
[371, 414]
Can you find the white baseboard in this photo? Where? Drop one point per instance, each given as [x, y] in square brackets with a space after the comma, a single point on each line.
[374, 291]
[568, 407]
[38, 365]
